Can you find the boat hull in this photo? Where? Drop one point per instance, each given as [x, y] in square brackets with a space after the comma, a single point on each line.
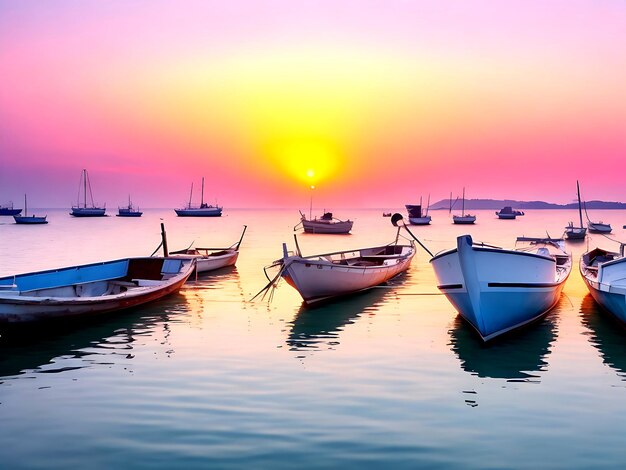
[420, 220]
[313, 226]
[32, 220]
[56, 294]
[463, 219]
[506, 216]
[575, 233]
[318, 280]
[9, 212]
[496, 290]
[212, 212]
[88, 212]
[210, 263]
[610, 292]
[128, 213]
[599, 227]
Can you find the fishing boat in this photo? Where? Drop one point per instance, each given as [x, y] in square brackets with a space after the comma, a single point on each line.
[328, 275]
[324, 224]
[129, 210]
[463, 219]
[203, 210]
[32, 220]
[596, 227]
[604, 272]
[508, 213]
[572, 232]
[498, 290]
[9, 210]
[210, 259]
[84, 210]
[416, 215]
[89, 289]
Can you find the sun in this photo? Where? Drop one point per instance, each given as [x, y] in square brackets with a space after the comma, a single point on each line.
[307, 160]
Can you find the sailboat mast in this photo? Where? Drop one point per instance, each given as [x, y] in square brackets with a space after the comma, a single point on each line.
[427, 206]
[85, 188]
[463, 205]
[580, 211]
[25, 207]
[190, 194]
[311, 204]
[202, 194]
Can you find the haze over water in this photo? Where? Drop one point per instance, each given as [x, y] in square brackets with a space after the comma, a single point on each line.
[389, 378]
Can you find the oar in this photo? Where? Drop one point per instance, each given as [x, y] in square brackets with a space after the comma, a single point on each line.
[396, 218]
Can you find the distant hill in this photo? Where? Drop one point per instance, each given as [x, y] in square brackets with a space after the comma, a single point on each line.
[495, 204]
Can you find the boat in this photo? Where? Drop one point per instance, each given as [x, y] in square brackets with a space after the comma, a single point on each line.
[416, 215]
[328, 275]
[83, 210]
[32, 220]
[386, 214]
[9, 210]
[497, 290]
[204, 210]
[463, 219]
[129, 210]
[324, 224]
[89, 289]
[580, 232]
[508, 213]
[210, 259]
[604, 273]
[596, 227]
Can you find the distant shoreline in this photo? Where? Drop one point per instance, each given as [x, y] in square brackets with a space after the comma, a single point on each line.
[495, 204]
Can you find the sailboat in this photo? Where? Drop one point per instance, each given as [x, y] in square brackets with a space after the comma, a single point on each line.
[129, 211]
[464, 218]
[32, 220]
[326, 223]
[83, 210]
[205, 210]
[416, 215]
[596, 227]
[580, 232]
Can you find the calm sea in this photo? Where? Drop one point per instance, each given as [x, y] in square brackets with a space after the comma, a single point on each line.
[387, 379]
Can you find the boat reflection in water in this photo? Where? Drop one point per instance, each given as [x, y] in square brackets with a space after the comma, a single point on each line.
[318, 326]
[515, 357]
[86, 343]
[606, 334]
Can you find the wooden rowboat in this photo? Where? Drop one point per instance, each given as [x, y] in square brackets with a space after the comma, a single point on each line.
[210, 259]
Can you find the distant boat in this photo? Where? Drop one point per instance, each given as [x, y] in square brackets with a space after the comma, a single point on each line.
[90, 289]
[9, 210]
[464, 219]
[596, 227]
[129, 210]
[328, 275]
[416, 216]
[497, 290]
[32, 220]
[604, 273]
[325, 224]
[204, 210]
[210, 259]
[83, 210]
[508, 213]
[386, 214]
[580, 232]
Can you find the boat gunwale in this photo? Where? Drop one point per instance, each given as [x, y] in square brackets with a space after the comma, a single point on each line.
[495, 250]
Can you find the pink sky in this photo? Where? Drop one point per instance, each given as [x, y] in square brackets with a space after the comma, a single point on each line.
[383, 101]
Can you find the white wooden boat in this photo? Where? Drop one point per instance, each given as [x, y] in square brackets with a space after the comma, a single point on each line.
[463, 219]
[210, 259]
[204, 210]
[84, 210]
[498, 290]
[321, 277]
[85, 290]
[32, 220]
[604, 272]
[572, 232]
[508, 213]
[325, 224]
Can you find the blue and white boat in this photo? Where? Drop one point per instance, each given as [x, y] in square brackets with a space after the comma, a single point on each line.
[129, 210]
[498, 290]
[89, 289]
[83, 210]
[604, 272]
